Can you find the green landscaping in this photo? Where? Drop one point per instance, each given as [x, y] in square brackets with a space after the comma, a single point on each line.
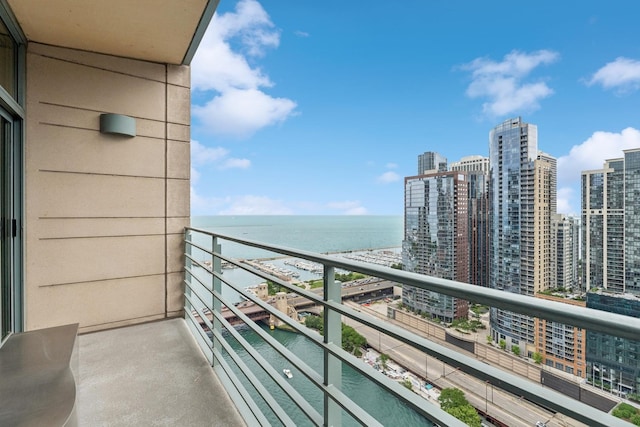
[452, 401]
[627, 412]
[352, 341]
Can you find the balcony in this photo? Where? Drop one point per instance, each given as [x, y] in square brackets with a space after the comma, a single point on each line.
[249, 361]
[149, 374]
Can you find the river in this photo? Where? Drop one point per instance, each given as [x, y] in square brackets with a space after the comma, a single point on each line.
[387, 409]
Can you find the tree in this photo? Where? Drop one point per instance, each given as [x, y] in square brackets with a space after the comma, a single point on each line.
[383, 358]
[537, 357]
[274, 288]
[315, 322]
[452, 401]
[348, 277]
[407, 383]
[352, 341]
[489, 339]
[451, 397]
[467, 414]
[503, 344]
[516, 350]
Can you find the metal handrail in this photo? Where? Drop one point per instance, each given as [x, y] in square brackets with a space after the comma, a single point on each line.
[335, 400]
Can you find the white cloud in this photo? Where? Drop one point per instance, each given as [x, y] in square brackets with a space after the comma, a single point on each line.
[236, 164]
[388, 177]
[590, 155]
[301, 33]
[254, 205]
[195, 176]
[565, 198]
[502, 82]
[201, 205]
[218, 67]
[202, 155]
[348, 207]
[392, 165]
[622, 74]
[242, 112]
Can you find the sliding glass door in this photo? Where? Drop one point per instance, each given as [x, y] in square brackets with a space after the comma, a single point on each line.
[6, 231]
[12, 59]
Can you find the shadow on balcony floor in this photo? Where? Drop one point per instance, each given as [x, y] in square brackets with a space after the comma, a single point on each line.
[149, 374]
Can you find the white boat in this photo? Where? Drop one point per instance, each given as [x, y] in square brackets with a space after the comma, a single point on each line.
[287, 373]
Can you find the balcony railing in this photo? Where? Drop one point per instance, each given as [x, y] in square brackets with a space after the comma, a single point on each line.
[206, 294]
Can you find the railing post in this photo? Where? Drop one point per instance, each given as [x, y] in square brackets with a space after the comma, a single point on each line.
[188, 234]
[216, 304]
[332, 334]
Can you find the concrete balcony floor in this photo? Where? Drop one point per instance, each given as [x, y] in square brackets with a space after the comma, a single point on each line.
[152, 374]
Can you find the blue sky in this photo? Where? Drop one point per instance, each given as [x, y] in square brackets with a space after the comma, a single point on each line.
[306, 107]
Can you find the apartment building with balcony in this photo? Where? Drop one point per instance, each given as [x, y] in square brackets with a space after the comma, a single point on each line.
[562, 346]
[522, 193]
[565, 232]
[610, 242]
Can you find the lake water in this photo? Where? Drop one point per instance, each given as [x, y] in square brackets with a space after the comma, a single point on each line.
[321, 234]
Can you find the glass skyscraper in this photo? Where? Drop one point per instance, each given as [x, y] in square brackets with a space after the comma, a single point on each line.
[611, 254]
[522, 191]
[431, 161]
[611, 225]
[436, 216]
[477, 170]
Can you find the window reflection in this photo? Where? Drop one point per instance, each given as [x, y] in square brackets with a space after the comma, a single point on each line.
[7, 61]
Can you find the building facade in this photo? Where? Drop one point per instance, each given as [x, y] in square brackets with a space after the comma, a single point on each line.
[95, 163]
[565, 232]
[472, 164]
[435, 244]
[522, 193]
[611, 273]
[430, 161]
[613, 363]
[603, 213]
[562, 346]
[477, 171]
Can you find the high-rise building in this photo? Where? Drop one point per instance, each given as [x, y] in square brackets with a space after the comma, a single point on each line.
[544, 207]
[603, 226]
[431, 161]
[613, 362]
[611, 271]
[477, 170]
[436, 221]
[565, 242]
[561, 346]
[522, 191]
[472, 164]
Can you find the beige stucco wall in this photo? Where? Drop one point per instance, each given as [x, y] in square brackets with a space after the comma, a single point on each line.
[104, 213]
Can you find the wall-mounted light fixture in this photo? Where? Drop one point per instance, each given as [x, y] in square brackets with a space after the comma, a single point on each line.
[117, 124]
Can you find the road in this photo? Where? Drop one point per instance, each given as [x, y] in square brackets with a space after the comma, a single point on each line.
[499, 404]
